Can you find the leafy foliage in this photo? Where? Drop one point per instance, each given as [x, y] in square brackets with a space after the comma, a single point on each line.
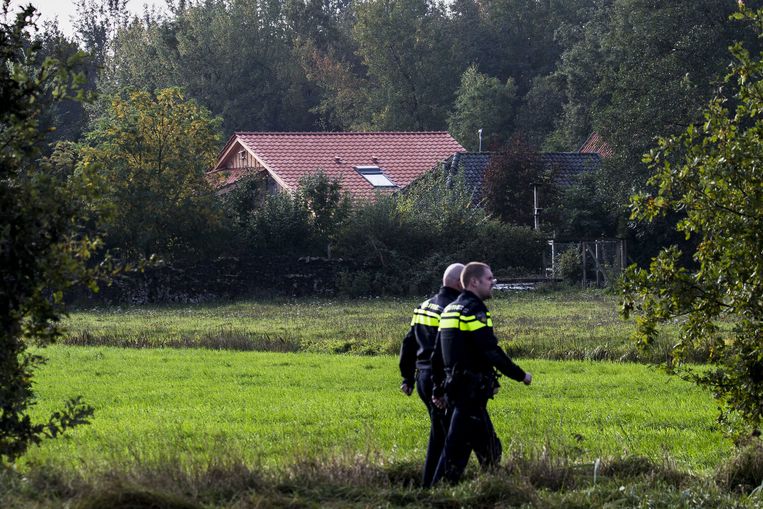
[482, 103]
[154, 150]
[401, 244]
[710, 174]
[328, 206]
[399, 42]
[43, 249]
[509, 181]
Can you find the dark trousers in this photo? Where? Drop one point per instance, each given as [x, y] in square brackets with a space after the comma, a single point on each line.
[470, 430]
[439, 425]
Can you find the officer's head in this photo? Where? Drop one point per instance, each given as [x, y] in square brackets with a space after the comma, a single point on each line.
[478, 279]
[452, 276]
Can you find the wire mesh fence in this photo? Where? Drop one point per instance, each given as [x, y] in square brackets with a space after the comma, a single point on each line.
[588, 262]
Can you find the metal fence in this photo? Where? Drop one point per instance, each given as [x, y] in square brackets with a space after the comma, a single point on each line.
[591, 262]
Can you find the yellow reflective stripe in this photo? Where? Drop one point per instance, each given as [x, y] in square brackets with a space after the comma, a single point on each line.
[426, 320]
[471, 326]
[449, 323]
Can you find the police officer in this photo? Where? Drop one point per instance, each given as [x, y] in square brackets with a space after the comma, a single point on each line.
[415, 359]
[467, 355]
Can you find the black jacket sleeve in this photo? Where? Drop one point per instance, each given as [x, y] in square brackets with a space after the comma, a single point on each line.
[438, 369]
[495, 356]
[408, 357]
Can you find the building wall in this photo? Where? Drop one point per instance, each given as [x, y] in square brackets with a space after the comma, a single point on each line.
[241, 159]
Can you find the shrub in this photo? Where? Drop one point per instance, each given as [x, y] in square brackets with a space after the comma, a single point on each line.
[571, 266]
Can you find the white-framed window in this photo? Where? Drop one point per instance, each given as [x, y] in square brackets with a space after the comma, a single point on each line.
[375, 176]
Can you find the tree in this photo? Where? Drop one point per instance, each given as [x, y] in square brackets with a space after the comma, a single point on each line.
[97, 23]
[482, 102]
[43, 249]
[710, 174]
[412, 80]
[154, 151]
[509, 180]
[65, 119]
[327, 204]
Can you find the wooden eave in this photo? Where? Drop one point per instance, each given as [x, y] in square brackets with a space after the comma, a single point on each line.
[232, 144]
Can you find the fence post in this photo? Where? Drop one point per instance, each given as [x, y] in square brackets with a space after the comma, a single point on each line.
[584, 247]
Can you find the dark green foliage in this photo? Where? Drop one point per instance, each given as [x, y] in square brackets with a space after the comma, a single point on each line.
[327, 205]
[235, 58]
[401, 244]
[247, 195]
[482, 102]
[509, 180]
[299, 224]
[410, 79]
[580, 213]
[571, 265]
[280, 225]
[43, 250]
[710, 176]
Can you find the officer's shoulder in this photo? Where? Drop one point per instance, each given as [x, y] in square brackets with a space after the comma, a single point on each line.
[431, 305]
[473, 307]
[454, 306]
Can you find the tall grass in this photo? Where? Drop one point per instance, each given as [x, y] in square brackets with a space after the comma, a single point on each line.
[581, 326]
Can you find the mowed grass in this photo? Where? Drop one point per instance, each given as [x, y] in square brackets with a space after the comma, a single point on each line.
[198, 406]
[530, 325]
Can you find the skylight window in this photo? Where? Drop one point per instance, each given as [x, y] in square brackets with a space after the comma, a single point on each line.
[375, 176]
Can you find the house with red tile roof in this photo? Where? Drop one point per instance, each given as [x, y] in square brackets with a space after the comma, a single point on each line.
[365, 162]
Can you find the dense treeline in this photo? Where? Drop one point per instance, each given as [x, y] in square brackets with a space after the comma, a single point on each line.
[546, 72]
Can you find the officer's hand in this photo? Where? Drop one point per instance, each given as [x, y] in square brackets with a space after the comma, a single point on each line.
[406, 389]
[528, 379]
[440, 402]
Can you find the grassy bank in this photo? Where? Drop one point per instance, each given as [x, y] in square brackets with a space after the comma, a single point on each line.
[531, 325]
[521, 481]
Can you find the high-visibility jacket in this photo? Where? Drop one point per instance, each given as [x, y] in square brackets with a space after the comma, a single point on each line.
[467, 347]
[418, 343]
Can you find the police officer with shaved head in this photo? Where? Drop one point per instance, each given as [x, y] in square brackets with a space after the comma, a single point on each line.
[415, 361]
[464, 366]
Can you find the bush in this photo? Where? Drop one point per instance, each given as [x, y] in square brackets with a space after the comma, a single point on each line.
[571, 266]
[280, 225]
[401, 244]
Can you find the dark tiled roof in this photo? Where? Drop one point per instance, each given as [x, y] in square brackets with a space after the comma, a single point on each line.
[565, 166]
[473, 165]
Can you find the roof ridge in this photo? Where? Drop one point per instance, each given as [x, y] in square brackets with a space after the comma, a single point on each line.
[572, 153]
[337, 133]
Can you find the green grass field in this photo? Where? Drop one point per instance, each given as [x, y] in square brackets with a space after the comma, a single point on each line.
[274, 408]
[296, 404]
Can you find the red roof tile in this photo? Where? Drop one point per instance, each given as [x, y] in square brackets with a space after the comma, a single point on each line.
[595, 144]
[403, 156]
